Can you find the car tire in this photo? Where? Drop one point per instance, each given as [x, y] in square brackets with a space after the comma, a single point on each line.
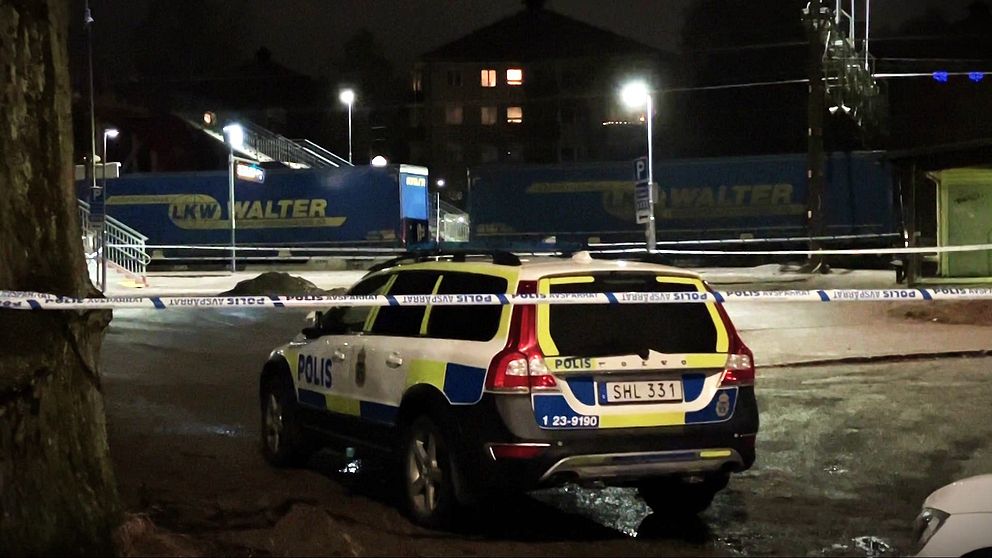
[675, 497]
[427, 473]
[284, 442]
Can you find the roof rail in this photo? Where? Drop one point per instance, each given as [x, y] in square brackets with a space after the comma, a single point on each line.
[499, 257]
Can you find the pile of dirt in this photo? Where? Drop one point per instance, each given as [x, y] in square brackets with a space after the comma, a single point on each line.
[139, 536]
[273, 283]
[962, 312]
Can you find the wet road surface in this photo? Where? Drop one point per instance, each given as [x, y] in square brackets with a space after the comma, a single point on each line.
[846, 454]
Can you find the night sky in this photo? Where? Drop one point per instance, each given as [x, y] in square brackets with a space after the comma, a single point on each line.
[306, 34]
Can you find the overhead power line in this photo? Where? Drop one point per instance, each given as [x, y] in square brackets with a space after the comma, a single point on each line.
[939, 75]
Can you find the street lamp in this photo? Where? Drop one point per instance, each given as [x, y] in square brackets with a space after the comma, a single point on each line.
[637, 94]
[109, 133]
[437, 207]
[379, 161]
[347, 97]
[235, 135]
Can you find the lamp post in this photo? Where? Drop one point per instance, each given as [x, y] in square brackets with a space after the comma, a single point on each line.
[437, 199]
[347, 96]
[109, 133]
[235, 135]
[637, 94]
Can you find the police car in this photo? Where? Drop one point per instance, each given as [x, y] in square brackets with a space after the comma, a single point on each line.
[477, 400]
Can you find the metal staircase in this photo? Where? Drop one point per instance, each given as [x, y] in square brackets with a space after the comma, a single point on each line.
[125, 250]
[447, 222]
[265, 146]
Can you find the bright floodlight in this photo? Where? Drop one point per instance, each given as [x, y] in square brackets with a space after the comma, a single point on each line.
[347, 96]
[379, 161]
[235, 135]
[111, 133]
[634, 94]
[440, 183]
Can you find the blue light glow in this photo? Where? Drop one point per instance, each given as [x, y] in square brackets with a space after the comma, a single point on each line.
[976, 76]
[940, 76]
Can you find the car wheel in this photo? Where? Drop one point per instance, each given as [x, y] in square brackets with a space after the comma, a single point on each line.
[427, 472]
[284, 443]
[674, 497]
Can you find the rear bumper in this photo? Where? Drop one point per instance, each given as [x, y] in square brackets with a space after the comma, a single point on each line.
[634, 465]
[614, 456]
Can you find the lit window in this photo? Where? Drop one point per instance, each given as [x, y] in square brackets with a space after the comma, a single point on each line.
[514, 76]
[455, 78]
[487, 116]
[514, 115]
[489, 78]
[418, 82]
[453, 114]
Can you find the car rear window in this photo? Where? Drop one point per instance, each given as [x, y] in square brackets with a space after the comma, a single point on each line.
[617, 329]
[468, 323]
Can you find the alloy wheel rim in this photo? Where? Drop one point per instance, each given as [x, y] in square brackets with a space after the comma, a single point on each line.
[273, 423]
[424, 472]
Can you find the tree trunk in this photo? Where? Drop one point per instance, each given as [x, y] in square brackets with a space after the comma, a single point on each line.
[57, 489]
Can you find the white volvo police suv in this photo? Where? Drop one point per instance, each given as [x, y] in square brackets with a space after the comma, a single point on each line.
[477, 400]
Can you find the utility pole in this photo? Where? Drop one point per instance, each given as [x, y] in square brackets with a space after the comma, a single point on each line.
[91, 163]
[815, 30]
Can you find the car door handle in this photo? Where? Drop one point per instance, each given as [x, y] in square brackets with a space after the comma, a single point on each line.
[394, 360]
[338, 355]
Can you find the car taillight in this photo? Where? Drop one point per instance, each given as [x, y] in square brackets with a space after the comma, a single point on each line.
[520, 365]
[739, 370]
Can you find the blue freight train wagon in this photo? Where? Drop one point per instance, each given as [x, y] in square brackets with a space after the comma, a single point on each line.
[736, 198]
[357, 207]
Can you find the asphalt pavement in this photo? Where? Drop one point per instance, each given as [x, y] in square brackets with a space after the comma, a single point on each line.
[846, 454]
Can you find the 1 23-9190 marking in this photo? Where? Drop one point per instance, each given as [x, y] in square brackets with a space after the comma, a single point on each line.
[570, 421]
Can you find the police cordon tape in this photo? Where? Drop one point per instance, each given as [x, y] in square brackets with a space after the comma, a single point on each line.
[19, 300]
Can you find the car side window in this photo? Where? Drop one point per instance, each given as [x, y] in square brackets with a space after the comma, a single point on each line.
[405, 320]
[353, 318]
[467, 323]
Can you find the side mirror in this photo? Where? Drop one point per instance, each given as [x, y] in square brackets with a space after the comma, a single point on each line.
[314, 318]
[313, 328]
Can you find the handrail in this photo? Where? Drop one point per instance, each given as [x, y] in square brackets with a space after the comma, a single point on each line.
[322, 152]
[452, 224]
[125, 246]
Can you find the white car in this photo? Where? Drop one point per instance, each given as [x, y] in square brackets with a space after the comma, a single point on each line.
[957, 520]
